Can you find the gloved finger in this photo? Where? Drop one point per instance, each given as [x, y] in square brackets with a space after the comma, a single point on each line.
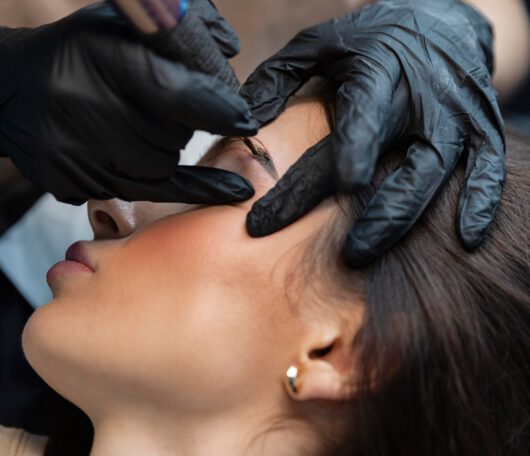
[269, 87]
[400, 201]
[220, 30]
[364, 104]
[188, 184]
[169, 93]
[192, 45]
[309, 181]
[482, 190]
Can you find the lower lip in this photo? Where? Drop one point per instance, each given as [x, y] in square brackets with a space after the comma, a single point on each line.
[64, 268]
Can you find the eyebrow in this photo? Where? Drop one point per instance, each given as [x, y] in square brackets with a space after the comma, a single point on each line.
[262, 155]
[255, 146]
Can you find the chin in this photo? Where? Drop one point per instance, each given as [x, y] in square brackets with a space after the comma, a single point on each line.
[35, 342]
[58, 342]
[47, 349]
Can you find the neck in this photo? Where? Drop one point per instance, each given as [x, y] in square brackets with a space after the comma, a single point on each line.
[138, 434]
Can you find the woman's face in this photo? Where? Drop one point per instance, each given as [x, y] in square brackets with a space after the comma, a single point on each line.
[186, 311]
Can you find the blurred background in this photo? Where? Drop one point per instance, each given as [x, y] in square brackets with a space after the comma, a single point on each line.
[263, 25]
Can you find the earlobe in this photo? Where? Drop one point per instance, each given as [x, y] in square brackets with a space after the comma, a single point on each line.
[324, 365]
[319, 380]
[323, 370]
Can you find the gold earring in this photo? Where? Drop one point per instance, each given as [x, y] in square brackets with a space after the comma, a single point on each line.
[292, 377]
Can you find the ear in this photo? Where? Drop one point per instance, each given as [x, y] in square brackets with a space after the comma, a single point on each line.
[323, 369]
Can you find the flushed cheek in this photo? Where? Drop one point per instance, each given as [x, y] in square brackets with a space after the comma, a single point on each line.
[195, 245]
[160, 274]
[191, 289]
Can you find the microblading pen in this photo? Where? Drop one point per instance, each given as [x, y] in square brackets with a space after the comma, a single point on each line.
[151, 16]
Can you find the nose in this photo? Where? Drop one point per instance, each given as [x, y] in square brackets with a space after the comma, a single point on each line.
[112, 219]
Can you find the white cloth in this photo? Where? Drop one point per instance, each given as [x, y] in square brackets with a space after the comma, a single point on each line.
[197, 147]
[39, 240]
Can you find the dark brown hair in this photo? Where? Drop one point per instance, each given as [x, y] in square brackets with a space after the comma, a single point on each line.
[446, 332]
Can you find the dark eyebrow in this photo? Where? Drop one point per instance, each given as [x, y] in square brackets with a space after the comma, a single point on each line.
[258, 150]
[262, 155]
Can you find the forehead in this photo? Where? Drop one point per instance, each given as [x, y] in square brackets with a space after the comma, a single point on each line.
[300, 126]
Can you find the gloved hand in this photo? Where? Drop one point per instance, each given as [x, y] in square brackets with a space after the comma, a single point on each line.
[438, 55]
[89, 110]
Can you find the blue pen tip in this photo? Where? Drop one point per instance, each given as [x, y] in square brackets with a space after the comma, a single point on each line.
[184, 6]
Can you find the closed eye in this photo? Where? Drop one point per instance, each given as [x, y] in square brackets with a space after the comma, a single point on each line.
[257, 151]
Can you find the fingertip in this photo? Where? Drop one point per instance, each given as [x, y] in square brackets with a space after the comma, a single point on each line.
[476, 214]
[473, 241]
[481, 195]
[247, 127]
[237, 128]
[471, 234]
[267, 91]
[239, 188]
[227, 41]
[205, 185]
[258, 221]
[220, 29]
[225, 37]
[357, 253]
[222, 110]
[254, 228]
[263, 111]
[235, 110]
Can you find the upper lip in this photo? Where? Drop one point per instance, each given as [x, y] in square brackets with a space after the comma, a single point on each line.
[77, 252]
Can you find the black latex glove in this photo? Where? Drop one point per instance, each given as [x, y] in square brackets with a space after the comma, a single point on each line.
[89, 110]
[437, 56]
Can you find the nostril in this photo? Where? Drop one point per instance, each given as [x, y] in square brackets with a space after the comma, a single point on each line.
[105, 220]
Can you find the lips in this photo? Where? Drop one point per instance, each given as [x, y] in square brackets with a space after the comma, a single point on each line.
[76, 262]
[76, 252]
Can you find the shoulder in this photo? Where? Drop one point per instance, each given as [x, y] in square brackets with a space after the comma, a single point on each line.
[16, 442]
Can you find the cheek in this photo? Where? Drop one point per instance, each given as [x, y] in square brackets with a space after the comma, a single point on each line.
[197, 272]
[202, 310]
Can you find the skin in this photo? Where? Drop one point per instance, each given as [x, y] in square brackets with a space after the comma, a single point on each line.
[179, 342]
